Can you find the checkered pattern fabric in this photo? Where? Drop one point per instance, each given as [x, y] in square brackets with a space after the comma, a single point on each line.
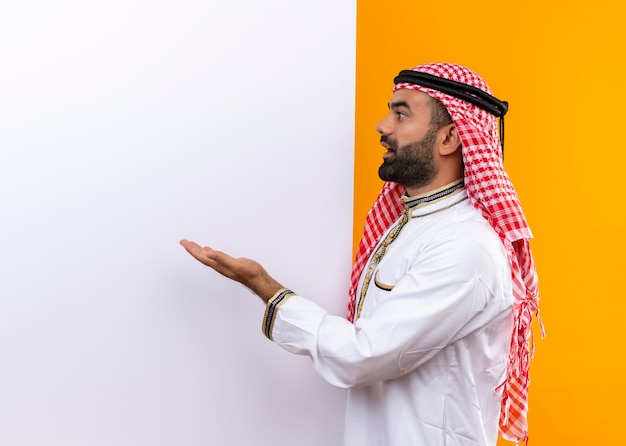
[385, 211]
[491, 191]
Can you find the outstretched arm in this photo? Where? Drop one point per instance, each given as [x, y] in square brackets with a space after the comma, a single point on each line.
[242, 270]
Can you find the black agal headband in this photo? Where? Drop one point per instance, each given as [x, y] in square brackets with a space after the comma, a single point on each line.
[468, 93]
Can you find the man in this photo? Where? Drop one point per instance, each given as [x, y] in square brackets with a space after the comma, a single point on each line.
[435, 348]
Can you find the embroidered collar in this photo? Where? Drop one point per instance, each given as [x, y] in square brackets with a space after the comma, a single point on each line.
[419, 201]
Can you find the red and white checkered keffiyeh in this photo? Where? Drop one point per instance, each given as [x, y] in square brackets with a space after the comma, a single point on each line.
[490, 190]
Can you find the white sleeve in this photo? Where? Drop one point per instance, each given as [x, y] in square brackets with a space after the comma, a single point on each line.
[430, 307]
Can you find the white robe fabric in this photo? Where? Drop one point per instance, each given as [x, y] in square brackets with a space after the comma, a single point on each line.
[424, 359]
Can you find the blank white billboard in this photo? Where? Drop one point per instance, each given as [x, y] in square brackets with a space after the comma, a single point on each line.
[124, 127]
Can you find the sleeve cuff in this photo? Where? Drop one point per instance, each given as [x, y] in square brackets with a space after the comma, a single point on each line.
[271, 310]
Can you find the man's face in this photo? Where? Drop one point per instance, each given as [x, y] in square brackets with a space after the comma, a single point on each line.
[409, 139]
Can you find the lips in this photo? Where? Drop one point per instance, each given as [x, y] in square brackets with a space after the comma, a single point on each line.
[391, 148]
[390, 152]
[388, 143]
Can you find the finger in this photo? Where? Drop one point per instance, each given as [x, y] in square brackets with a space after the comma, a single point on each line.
[200, 253]
[219, 261]
[219, 257]
[192, 247]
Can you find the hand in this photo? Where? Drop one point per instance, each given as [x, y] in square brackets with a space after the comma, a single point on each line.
[242, 270]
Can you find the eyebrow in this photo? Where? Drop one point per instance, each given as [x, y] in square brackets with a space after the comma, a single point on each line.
[398, 104]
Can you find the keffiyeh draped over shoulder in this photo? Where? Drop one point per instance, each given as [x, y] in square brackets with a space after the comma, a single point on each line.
[490, 190]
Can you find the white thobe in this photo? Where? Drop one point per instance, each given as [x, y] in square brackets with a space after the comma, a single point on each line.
[425, 358]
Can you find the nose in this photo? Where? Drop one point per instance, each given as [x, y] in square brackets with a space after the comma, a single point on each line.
[384, 126]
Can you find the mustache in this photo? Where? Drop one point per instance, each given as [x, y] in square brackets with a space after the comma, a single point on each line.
[391, 143]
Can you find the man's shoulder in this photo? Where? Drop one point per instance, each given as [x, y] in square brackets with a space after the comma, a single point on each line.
[467, 232]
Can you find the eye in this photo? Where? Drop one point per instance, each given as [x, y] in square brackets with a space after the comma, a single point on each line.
[400, 115]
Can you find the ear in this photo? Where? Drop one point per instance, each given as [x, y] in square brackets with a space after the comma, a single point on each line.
[449, 140]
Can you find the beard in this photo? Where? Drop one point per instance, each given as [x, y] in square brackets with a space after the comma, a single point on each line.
[412, 165]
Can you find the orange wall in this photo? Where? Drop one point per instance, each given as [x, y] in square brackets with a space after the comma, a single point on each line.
[561, 67]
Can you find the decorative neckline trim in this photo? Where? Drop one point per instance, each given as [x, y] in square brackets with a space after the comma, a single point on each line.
[465, 197]
[434, 196]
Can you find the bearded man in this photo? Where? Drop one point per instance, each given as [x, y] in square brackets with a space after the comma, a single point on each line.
[435, 346]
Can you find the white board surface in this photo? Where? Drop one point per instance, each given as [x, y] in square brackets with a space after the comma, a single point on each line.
[124, 127]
